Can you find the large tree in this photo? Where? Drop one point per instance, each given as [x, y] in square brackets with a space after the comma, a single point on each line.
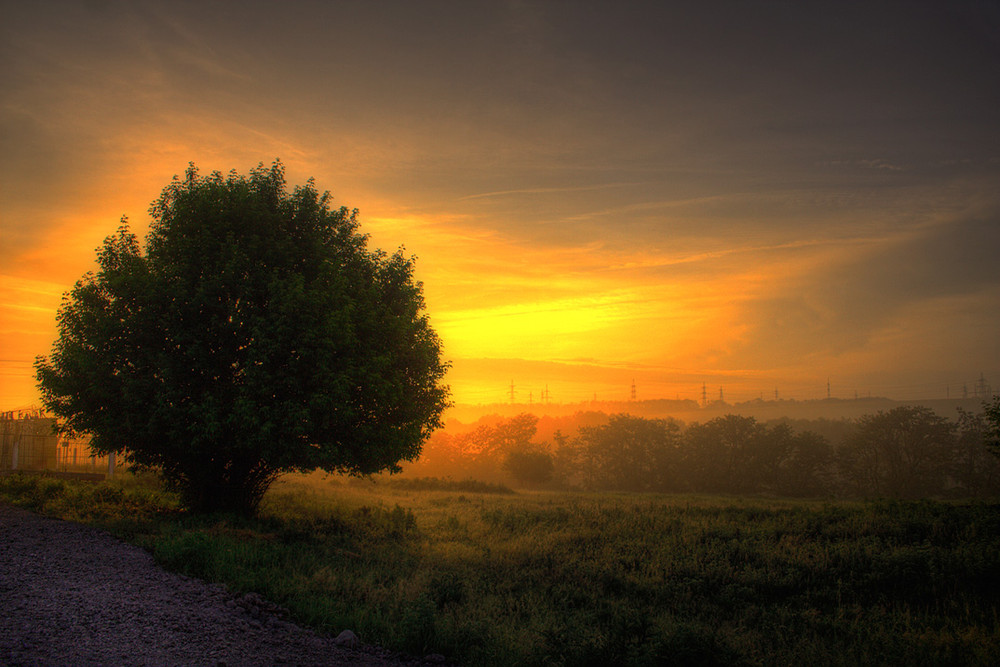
[257, 334]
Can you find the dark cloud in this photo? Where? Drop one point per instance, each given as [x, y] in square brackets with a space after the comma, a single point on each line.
[845, 305]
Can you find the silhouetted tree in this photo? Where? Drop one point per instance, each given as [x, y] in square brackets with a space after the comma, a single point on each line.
[991, 417]
[903, 453]
[800, 464]
[257, 334]
[630, 453]
[484, 449]
[566, 459]
[514, 433]
[974, 468]
[529, 466]
[726, 454]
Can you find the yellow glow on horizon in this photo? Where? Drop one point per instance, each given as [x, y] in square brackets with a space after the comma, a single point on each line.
[582, 319]
[557, 328]
[488, 297]
[27, 329]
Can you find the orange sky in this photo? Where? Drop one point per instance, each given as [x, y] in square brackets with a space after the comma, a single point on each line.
[752, 196]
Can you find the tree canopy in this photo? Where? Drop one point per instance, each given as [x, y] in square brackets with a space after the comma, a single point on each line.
[257, 334]
[991, 415]
[900, 453]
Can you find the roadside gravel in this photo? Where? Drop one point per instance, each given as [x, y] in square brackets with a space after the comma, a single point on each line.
[74, 595]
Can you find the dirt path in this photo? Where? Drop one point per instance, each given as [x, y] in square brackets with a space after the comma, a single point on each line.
[73, 595]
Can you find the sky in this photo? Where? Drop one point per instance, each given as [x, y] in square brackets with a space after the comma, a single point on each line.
[757, 198]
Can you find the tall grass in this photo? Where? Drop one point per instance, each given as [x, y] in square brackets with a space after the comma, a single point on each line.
[542, 578]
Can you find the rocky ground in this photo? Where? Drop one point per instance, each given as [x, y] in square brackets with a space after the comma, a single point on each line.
[73, 595]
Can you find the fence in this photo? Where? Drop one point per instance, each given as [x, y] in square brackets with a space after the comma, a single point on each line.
[29, 442]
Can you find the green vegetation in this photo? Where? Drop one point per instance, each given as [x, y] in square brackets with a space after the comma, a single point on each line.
[437, 484]
[572, 578]
[909, 452]
[256, 334]
[991, 425]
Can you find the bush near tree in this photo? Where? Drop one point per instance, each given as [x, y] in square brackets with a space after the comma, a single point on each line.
[255, 334]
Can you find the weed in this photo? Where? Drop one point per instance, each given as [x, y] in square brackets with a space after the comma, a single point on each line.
[577, 579]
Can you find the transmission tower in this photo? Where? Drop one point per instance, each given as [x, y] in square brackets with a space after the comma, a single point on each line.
[633, 389]
[983, 389]
[511, 392]
[704, 394]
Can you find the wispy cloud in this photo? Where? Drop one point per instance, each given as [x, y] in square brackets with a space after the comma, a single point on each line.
[549, 190]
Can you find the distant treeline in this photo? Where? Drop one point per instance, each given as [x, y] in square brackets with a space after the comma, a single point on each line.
[906, 452]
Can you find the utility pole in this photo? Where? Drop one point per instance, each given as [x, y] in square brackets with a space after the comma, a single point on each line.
[828, 387]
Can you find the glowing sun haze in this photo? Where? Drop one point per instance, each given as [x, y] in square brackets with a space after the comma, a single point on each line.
[746, 195]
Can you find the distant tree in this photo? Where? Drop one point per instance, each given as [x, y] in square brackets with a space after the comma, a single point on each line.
[559, 439]
[256, 335]
[514, 433]
[974, 468]
[493, 440]
[903, 453]
[529, 466]
[726, 454]
[630, 453]
[800, 463]
[481, 452]
[566, 460]
[991, 417]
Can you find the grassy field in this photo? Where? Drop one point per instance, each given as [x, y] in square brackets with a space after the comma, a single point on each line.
[488, 577]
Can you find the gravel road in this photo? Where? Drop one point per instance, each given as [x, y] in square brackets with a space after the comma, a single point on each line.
[74, 595]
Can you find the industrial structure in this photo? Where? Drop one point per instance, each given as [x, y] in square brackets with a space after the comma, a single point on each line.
[29, 442]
